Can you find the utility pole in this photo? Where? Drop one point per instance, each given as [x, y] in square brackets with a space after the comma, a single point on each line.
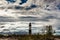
[30, 28]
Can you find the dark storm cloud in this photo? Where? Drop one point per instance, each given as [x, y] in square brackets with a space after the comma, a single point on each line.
[52, 17]
[29, 18]
[7, 19]
[49, 1]
[46, 19]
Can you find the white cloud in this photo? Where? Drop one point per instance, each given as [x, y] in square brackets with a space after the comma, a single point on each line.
[55, 22]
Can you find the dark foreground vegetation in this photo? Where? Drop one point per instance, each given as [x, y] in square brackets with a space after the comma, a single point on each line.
[29, 37]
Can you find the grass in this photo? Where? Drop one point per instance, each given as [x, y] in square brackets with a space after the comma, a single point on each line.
[28, 37]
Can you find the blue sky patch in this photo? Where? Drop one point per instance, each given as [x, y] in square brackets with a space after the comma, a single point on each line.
[58, 6]
[23, 1]
[11, 1]
[32, 6]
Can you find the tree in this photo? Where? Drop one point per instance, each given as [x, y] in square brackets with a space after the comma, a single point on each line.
[49, 33]
[49, 30]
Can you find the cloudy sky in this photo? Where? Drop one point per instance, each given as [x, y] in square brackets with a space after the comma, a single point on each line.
[38, 12]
